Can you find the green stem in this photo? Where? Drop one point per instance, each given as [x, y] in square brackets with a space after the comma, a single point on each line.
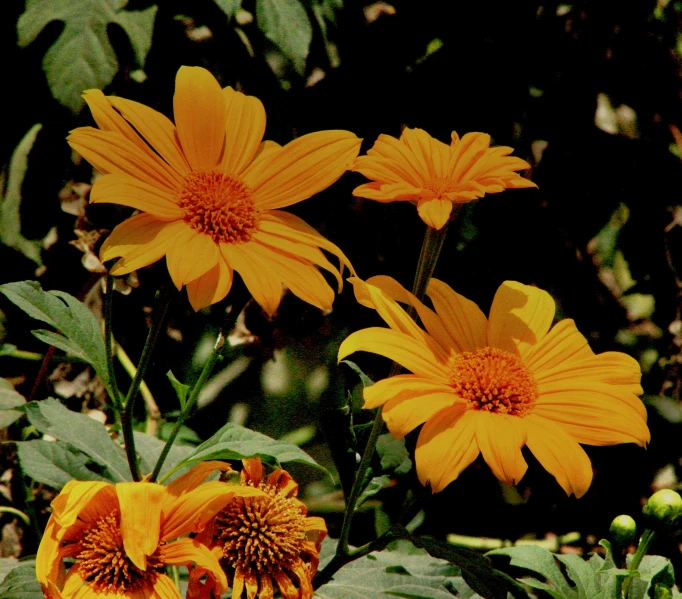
[113, 389]
[127, 419]
[216, 355]
[431, 247]
[5, 509]
[644, 543]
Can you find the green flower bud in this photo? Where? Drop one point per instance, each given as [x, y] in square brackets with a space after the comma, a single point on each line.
[663, 510]
[623, 530]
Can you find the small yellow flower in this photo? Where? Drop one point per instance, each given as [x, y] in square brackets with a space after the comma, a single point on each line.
[264, 542]
[419, 167]
[209, 192]
[121, 537]
[494, 385]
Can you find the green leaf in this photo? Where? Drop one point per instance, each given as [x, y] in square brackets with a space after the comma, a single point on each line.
[373, 487]
[80, 333]
[82, 57]
[10, 221]
[542, 562]
[181, 390]
[9, 399]
[149, 449]
[21, 583]
[78, 430]
[653, 570]
[234, 442]
[394, 456]
[229, 7]
[581, 573]
[7, 564]
[286, 24]
[54, 463]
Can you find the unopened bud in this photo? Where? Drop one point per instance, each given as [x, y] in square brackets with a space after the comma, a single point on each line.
[663, 510]
[623, 530]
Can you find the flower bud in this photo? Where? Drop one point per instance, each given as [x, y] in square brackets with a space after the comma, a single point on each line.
[623, 530]
[663, 510]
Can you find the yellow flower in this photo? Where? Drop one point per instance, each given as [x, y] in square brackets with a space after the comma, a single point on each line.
[121, 537]
[209, 192]
[419, 167]
[495, 385]
[264, 541]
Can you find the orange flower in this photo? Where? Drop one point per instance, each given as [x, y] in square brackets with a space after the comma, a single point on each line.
[121, 536]
[419, 167]
[264, 540]
[208, 191]
[495, 385]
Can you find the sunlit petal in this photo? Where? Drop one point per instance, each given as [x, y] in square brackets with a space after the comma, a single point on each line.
[500, 437]
[244, 125]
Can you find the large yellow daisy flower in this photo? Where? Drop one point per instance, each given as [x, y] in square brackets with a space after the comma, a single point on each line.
[121, 537]
[419, 167]
[209, 192]
[495, 385]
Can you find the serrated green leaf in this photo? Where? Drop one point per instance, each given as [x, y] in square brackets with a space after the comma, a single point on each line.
[80, 334]
[234, 442]
[542, 562]
[286, 24]
[9, 399]
[54, 463]
[395, 459]
[149, 449]
[78, 430]
[21, 583]
[82, 57]
[581, 573]
[229, 7]
[181, 390]
[10, 221]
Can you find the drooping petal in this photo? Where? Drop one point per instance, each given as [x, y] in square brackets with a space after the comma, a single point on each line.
[391, 192]
[164, 588]
[500, 437]
[190, 255]
[302, 168]
[446, 446]
[252, 471]
[140, 519]
[139, 241]
[559, 454]
[417, 357]
[76, 587]
[399, 387]
[251, 584]
[74, 498]
[244, 127]
[199, 109]
[520, 317]
[283, 482]
[196, 475]
[238, 584]
[211, 287]
[265, 588]
[186, 551]
[434, 212]
[462, 318]
[564, 344]
[47, 559]
[286, 587]
[156, 128]
[126, 191]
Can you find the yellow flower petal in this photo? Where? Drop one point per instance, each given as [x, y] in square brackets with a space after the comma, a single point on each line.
[520, 317]
[199, 109]
[465, 153]
[265, 589]
[434, 212]
[391, 161]
[286, 587]
[74, 498]
[400, 386]
[462, 319]
[417, 357]
[47, 558]
[194, 477]
[156, 128]
[211, 287]
[302, 168]
[559, 454]
[500, 438]
[564, 344]
[164, 588]
[140, 519]
[406, 411]
[126, 191]
[190, 255]
[391, 192]
[446, 446]
[244, 126]
[183, 552]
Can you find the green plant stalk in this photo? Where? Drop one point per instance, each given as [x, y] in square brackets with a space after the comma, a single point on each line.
[644, 543]
[216, 355]
[5, 509]
[129, 404]
[153, 412]
[431, 247]
[113, 389]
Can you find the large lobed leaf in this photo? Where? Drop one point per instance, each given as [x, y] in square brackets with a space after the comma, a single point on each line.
[80, 333]
[82, 57]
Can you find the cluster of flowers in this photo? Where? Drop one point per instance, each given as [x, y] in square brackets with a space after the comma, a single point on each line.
[209, 192]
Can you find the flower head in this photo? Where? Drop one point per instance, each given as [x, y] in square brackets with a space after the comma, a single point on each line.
[265, 542]
[494, 385]
[209, 191]
[121, 537]
[419, 167]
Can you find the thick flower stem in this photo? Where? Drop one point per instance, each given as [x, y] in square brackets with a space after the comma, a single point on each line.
[216, 355]
[129, 404]
[431, 247]
[644, 544]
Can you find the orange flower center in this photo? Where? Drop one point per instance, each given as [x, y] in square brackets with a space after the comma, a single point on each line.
[440, 186]
[262, 534]
[219, 205]
[105, 565]
[494, 380]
